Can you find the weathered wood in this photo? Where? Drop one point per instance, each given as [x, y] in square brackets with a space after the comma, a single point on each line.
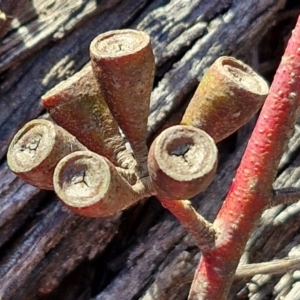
[17, 203]
[8, 11]
[48, 242]
[38, 31]
[81, 239]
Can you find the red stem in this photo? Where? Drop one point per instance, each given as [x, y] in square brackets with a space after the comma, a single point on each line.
[251, 190]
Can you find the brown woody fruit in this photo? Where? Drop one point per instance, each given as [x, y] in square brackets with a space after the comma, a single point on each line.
[37, 148]
[90, 185]
[229, 94]
[77, 105]
[182, 162]
[123, 64]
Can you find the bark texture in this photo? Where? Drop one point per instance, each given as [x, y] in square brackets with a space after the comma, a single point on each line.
[47, 252]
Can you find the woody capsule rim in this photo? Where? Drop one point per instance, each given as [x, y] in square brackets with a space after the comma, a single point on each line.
[182, 162]
[31, 145]
[177, 141]
[240, 73]
[123, 42]
[82, 178]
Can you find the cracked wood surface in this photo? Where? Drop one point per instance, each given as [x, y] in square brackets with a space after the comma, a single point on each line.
[142, 253]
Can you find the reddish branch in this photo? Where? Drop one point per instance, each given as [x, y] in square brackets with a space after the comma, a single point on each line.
[251, 190]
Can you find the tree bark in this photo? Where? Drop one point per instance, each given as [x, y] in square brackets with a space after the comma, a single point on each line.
[143, 252]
